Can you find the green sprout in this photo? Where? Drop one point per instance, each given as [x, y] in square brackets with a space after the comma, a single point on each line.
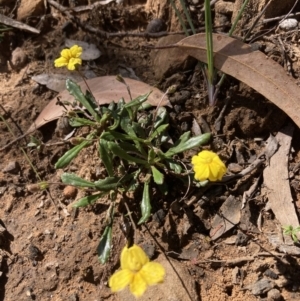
[290, 230]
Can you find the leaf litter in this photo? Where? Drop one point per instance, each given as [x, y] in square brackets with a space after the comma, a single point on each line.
[105, 90]
[260, 162]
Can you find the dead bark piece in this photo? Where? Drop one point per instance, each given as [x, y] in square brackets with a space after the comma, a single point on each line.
[251, 67]
[105, 90]
[261, 286]
[229, 217]
[276, 180]
[277, 242]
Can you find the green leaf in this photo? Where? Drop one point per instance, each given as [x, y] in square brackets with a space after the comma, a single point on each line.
[151, 156]
[67, 157]
[88, 200]
[139, 130]
[177, 168]
[137, 101]
[105, 245]
[118, 151]
[191, 143]
[109, 183]
[161, 117]
[157, 132]
[126, 126]
[77, 121]
[158, 177]
[106, 156]
[134, 183]
[145, 204]
[74, 180]
[113, 135]
[75, 91]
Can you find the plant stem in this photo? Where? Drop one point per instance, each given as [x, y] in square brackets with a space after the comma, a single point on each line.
[188, 16]
[179, 18]
[219, 84]
[209, 52]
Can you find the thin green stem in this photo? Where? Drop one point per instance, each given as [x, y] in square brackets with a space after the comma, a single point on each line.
[238, 17]
[188, 16]
[179, 17]
[209, 52]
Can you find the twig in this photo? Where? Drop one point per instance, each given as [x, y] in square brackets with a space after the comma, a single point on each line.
[285, 57]
[91, 6]
[264, 21]
[104, 34]
[256, 21]
[16, 24]
[132, 221]
[274, 28]
[15, 140]
[169, 261]
[218, 121]
[288, 14]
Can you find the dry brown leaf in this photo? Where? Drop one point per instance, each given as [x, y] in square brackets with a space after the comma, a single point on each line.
[251, 67]
[276, 180]
[105, 90]
[229, 217]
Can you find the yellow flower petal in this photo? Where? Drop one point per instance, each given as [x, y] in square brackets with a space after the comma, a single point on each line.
[69, 57]
[208, 165]
[73, 62]
[133, 258]
[120, 280]
[201, 173]
[60, 62]
[66, 53]
[153, 273]
[76, 51]
[138, 285]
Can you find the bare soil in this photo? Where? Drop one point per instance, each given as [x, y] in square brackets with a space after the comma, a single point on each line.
[48, 250]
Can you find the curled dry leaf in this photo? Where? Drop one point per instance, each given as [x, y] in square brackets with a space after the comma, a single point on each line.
[237, 59]
[105, 90]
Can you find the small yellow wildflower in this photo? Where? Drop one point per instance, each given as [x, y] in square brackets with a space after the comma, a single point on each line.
[136, 271]
[208, 166]
[69, 57]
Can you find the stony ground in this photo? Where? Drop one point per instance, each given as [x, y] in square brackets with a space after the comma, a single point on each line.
[48, 250]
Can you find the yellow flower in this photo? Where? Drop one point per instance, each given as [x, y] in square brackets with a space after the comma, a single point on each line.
[69, 57]
[136, 271]
[208, 166]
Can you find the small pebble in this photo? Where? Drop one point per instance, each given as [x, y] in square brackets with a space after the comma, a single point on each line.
[70, 192]
[234, 168]
[271, 274]
[18, 58]
[149, 249]
[29, 292]
[274, 295]
[12, 167]
[33, 187]
[288, 24]
[159, 217]
[156, 25]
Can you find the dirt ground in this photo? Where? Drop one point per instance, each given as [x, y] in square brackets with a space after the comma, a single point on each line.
[48, 250]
